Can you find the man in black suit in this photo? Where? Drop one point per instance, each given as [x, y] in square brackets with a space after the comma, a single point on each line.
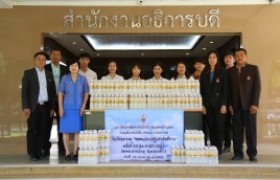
[38, 103]
[245, 89]
[58, 71]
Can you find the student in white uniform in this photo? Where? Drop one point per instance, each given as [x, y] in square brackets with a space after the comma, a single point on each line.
[91, 76]
[136, 71]
[157, 71]
[199, 66]
[113, 76]
[181, 72]
[84, 60]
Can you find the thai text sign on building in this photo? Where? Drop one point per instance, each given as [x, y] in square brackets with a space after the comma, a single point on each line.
[95, 18]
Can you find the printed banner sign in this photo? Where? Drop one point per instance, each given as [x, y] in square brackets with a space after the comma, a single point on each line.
[144, 134]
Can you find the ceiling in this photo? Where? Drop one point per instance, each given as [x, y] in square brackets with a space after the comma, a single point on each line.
[77, 43]
[11, 3]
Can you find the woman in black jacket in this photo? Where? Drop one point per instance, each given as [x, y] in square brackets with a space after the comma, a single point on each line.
[214, 90]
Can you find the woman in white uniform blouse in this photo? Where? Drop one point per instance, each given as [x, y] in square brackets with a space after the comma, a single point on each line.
[136, 71]
[157, 71]
[181, 72]
[113, 76]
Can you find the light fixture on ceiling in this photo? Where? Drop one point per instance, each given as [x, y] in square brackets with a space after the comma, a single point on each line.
[142, 42]
[142, 54]
[97, 54]
[74, 43]
[211, 42]
[187, 54]
[204, 49]
[81, 49]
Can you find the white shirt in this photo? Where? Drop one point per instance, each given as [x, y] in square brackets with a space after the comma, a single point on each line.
[43, 92]
[180, 78]
[89, 74]
[108, 77]
[56, 75]
[157, 80]
[131, 79]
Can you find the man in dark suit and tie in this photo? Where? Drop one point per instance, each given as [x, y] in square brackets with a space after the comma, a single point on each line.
[38, 103]
[245, 89]
[58, 71]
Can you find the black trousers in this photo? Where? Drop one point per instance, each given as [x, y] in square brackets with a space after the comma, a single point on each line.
[228, 130]
[216, 123]
[37, 126]
[88, 103]
[243, 118]
[205, 129]
[47, 143]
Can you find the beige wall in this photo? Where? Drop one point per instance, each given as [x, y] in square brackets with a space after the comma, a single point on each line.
[21, 31]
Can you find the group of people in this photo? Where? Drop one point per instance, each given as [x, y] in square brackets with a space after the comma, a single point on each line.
[230, 99]
[53, 91]
[231, 94]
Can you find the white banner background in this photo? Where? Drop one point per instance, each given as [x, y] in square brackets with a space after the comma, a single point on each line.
[144, 134]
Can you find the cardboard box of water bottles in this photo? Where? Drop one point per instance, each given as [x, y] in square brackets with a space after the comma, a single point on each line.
[194, 150]
[94, 146]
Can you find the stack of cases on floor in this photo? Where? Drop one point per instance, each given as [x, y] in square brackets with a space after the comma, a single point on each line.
[194, 152]
[94, 146]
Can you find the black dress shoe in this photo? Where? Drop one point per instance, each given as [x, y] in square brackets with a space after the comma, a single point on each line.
[46, 153]
[253, 159]
[75, 157]
[68, 157]
[44, 157]
[33, 158]
[226, 150]
[237, 158]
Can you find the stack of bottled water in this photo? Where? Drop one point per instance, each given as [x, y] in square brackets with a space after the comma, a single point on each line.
[195, 152]
[109, 102]
[94, 146]
[107, 87]
[136, 87]
[104, 137]
[202, 155]
[178, 154]
[107, 94]
[194, 138]
[150, 94]
[138, 101]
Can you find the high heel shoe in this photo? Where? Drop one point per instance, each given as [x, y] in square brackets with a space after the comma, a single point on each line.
[68, 157]
[75, 157]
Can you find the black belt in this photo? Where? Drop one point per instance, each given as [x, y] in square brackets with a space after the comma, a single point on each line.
[42, 104]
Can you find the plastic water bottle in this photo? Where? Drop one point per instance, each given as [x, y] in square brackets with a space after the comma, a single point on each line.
[173, 154]
[182, 154]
